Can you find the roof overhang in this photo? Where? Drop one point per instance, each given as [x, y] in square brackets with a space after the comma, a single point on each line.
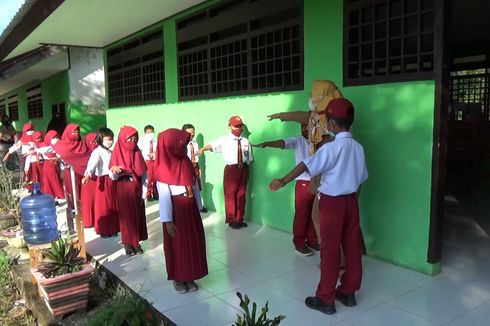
[88, 23]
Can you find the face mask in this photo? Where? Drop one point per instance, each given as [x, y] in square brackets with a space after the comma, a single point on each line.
[29, 133]
[311, 105]
[107, 144]
[54, 141]
[150, 136]
[236, 132]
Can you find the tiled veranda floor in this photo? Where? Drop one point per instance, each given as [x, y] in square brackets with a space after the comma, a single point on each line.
[260, 262]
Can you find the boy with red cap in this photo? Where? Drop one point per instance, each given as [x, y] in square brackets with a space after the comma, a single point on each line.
[342, 166]
[237, 154]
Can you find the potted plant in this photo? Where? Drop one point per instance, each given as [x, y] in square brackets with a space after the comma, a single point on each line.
[10, 191]
[250, 318]
[63, 280]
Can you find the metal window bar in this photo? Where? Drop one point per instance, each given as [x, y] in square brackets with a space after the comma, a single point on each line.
[469, 94]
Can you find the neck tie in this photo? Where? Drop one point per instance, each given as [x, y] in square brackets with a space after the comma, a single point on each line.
[151, 149]
[239, 153]
[193, 154]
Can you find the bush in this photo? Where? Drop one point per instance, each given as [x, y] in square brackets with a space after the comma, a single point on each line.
[249, 317]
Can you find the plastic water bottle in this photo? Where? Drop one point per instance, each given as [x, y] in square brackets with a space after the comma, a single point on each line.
[38, 213]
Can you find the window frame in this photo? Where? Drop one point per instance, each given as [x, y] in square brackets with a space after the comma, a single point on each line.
[13, 102]
[34, 100]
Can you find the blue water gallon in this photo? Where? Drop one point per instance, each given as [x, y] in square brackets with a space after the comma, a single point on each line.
[38, 213]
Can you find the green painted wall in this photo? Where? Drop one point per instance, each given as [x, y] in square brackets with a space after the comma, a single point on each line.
[394, 123]
[55, 90]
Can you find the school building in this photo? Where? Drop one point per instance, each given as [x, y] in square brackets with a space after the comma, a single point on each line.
[167, 63]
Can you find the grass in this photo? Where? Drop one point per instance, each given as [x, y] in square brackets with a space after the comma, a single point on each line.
[11, 313]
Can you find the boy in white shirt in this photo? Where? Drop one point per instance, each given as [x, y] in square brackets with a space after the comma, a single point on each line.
[342, 166]
[192, 149]
[148, 147]
[237, 154]
[304, 235]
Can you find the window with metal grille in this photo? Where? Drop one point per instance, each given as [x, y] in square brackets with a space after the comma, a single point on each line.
[470, 95]
[241, 47]
[34, 102]
[13, 107]
[136, 71]
[388, 40]
[3, 107]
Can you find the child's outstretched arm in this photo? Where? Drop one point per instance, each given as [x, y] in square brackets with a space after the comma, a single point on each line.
[201, 150]
[296, 116]
[274, 143]
[276, 184]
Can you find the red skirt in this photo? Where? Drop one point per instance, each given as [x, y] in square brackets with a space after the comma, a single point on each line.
[87, 200]
[131, 212]
[51, 183]
[105, 208]
[36, 172]
[185, 252]
[67, 182]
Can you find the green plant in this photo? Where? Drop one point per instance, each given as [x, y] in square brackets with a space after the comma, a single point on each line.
[10, 192]
[124, 308]
[63, 259]
[249, 317]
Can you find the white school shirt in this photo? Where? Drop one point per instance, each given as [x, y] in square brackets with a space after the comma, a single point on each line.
[144, 146]
[165, 193]
[25, 148]
[301, 147]
[342, 165]
[227, 146]
[98, 163]
[196, 148]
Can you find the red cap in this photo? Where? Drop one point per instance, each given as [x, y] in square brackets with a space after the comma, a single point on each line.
[235, 121]
[340, 108]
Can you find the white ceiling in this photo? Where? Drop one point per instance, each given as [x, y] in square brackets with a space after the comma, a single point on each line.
[39, 71]
[98, 23]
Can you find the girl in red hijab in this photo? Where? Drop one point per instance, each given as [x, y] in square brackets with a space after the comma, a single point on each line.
[51, 178]
[25, 143]
[88, 186]
[128, 167]
[75, 153]
[183, 233]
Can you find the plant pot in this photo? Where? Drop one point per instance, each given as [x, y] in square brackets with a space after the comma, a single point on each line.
[67, 292]
[15, 237]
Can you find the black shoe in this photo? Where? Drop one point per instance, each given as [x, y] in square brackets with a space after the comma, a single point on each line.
[105, 236]
[348, 300]
[234, 225]
[318, 304]
[204, 210]
[315, 247]
[139, 250]
[129, 250]
[242, 224]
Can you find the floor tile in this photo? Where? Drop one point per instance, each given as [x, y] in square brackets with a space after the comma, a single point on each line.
[297, 313]
[385, 314]
[224, 280]
[480, 316]
[165, 298]
[298, 283]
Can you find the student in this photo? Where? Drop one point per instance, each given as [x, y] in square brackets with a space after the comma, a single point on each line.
[87, 196]
[342, 166]
[51, 176]
[192, 149]
[183, 233]
[75, 154]
[304, 235]
[34, 165]
[25, 144]
[148, 145]
[237, 155]
[105, 213]
[128, 167]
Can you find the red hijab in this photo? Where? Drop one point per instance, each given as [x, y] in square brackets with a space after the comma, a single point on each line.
[72, 149]
[24, 139]
[90, 141]
[35, 136]
[47, 141]
[172, 165]
[126, 154]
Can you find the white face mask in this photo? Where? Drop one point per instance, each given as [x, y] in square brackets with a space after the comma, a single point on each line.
[54, 141]
[150, 136]
[107, 144]
[29, 133]
[311, 105]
